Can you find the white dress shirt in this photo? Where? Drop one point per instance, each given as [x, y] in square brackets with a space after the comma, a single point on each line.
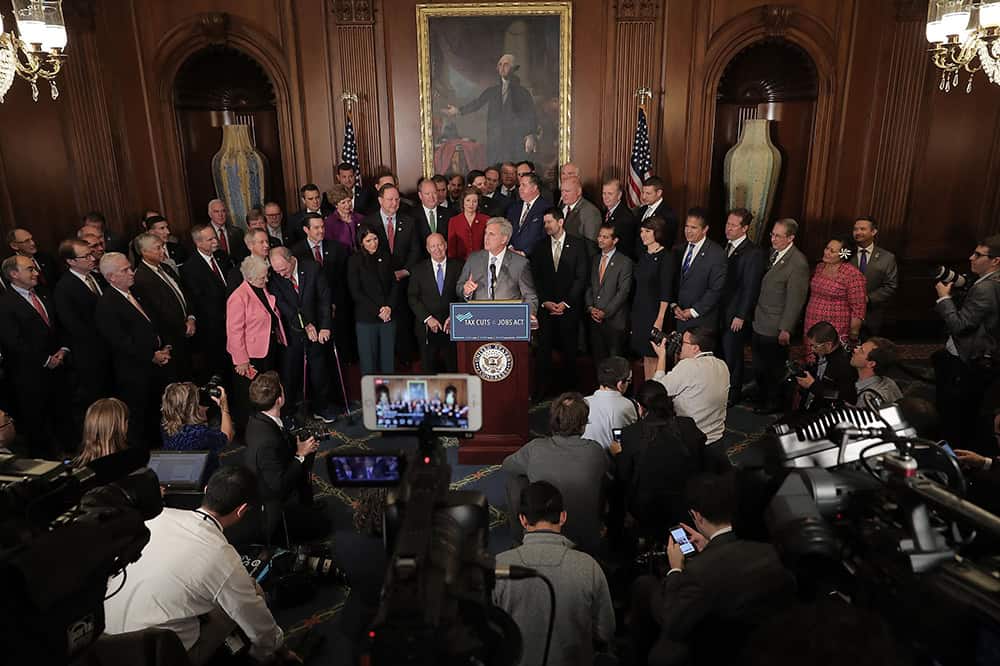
[736, 243]
[186, 570]
[609, 409]
[699, 387]
[651, 211]
[498, 260]
[83, 278]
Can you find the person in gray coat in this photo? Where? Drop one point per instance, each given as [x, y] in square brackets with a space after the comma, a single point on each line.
[495, 272]
[583, 611]
[606, 299]
[881, 274]
[574, 465]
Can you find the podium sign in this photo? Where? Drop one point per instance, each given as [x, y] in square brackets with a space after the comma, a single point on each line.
[490, 320]
[494, 344]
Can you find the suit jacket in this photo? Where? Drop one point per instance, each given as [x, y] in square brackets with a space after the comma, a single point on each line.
[701, 287]
[372, 286]
[333, 271]
[627, 230]
[365, 200]
[569, 282]
[423, 296]
[584, 221]
[882, 277]
[270, 454]
[493, 206]
[26, 340]
[75, 306]
[234, 237]
[309, 305]
[161, 303]
[783, 291]
[838, 385]
[974, 326]
[178, 253]
[248, 325]
[514, 280]
[726, 591]
[669, 216]
[611, 296]
[132, 339]
[527, 235]
[208, 294]
[442, 215]
[48, 272]
[743, 275]
[406, 251]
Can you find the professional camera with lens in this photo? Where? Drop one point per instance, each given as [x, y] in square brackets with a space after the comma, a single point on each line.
[674, 340]
[946, 275]
[210, 390]
[793, 370]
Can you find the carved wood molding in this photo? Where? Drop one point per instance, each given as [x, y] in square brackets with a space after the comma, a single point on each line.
[214, 26]
[354, 12]
[776, 18]
[638, 10]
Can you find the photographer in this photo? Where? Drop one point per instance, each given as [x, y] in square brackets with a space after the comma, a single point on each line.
[872, 360]
[190, 580]
[184, 421]
[706, 608]
[965, 367]
[830, 379]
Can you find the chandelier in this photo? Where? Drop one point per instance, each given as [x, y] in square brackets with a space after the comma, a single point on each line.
[36, 51]
[964, 35]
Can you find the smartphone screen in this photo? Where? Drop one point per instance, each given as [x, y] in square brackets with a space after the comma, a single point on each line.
[681, 539]
[616, 434]
[947, 449]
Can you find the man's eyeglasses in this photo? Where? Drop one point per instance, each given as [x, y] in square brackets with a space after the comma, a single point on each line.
[980, 255]
[86, 256]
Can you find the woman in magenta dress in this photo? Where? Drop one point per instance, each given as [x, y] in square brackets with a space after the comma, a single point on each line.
[837, 292]
[466, 230]
[342, 224]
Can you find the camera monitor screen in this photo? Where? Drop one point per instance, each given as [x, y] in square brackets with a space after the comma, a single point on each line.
[404, 402]
[364, 470]
[179, 470]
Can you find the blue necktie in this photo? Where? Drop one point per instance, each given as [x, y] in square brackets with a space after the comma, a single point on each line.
[440, 279]
[863, 264]
[687, 258]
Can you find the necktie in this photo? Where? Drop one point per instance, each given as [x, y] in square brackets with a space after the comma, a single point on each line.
[223, 238]
[607, 216]
[524, 215]
[556, 253]
[774, 258]
[729, 249]
[648, 213]
[215, 269]
[493, 278]
[687, 258]
[390, 232]
[92, 283]
[603, 267]
[295, 283]
[319, 255]
[863, 262]
[434, 223]
[131, 299]
[566, 210]
[173, 287]
[39, 308]
[440, 279]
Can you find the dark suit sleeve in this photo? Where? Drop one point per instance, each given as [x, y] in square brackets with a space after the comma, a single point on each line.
[477, 103]
[278, 477]
[14, 338]
[413, 256]
[323, 318]
[975, 310]
[685, 605]
[623, 290]
[581, 271]
[420, 311]
[753, 272]
[66, 310]
[667, 278]
[716, 283]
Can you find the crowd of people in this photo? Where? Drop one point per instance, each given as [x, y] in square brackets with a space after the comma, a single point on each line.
[156, 343]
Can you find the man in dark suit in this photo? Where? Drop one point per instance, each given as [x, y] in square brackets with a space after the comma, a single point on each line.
[492, 189]
[508, 181]
[430, 293]
[276, 227]
[255, 220]
[75, 298]
[35, 354]
[283, 466]
[431, 217]
[881, 275]
[398, 232]
[407, 207]
[139, 357]
[726, 591]
[95, 220]
[364, 197]
[230, 238]
[487, 205]
[312, 202]
[830, 380]
[159, 290]
[653, 204]
[620, 217]
[702, 275]
[525, 215]
[739, 297]
[176, 254]
[607, 296]
[22, 242]
[559, 268]
[203, 279]
[303, 298]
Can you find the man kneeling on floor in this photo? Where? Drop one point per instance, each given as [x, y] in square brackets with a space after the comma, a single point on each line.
[191, 581]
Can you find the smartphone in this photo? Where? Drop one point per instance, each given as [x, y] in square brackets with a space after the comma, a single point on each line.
[616, 434]
[401, 403]
[947, 449]
[681, 539]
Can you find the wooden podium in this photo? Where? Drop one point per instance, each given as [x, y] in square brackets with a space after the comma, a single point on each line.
[504, 366]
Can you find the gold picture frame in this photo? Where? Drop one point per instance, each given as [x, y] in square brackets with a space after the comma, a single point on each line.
[552, 139]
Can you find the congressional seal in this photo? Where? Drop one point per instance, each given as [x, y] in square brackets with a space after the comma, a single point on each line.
[493, 362]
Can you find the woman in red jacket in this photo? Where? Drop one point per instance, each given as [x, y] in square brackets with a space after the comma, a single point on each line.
[466, 230]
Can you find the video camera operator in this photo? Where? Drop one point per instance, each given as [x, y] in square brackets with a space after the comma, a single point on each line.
[965, 368]
[190, 580]
[829, 380]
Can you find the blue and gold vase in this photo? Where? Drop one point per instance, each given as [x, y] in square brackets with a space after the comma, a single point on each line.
[239, 171]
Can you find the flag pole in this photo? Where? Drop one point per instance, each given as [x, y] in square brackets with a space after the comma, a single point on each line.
[640, 161]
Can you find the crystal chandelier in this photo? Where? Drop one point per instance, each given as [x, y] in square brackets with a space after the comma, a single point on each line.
[964, 35]
[36, 51]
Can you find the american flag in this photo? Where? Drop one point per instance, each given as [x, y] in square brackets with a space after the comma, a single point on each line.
[349, 152]
[641, 163]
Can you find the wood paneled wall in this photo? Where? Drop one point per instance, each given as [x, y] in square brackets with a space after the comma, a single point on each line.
[885, 140]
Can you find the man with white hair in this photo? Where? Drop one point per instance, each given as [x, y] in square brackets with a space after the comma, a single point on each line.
[229, 236]
[495, 273]
[511, 121]
[582, 217]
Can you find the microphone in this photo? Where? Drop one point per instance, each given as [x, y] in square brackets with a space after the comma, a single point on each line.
[514, 572]
[845, 429]
[493, 281]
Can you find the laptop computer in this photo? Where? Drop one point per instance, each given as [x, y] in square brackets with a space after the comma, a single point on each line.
[180, 471]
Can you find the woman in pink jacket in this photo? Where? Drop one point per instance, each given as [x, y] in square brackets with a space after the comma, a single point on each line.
[255, 338]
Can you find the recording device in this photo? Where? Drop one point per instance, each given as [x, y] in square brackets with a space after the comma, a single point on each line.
[674, 340]
[365, 468]
[402, 403]
[63, 532]
[182, 471]
[680, 537]
[211, 389]
[793, 370]
[616, 434]
[946, 275]
[875, 514]
[305, 432]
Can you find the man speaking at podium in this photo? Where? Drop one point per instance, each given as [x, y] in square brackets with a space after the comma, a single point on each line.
[495, 274]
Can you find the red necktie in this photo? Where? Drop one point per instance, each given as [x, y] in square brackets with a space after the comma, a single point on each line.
[390, 232]
[318, 255]
[38, 308]
[218, 273]
[607, 216]
[295, 284]
[223, 240]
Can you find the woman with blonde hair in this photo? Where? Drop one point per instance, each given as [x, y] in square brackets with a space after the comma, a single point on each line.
[105, 430]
